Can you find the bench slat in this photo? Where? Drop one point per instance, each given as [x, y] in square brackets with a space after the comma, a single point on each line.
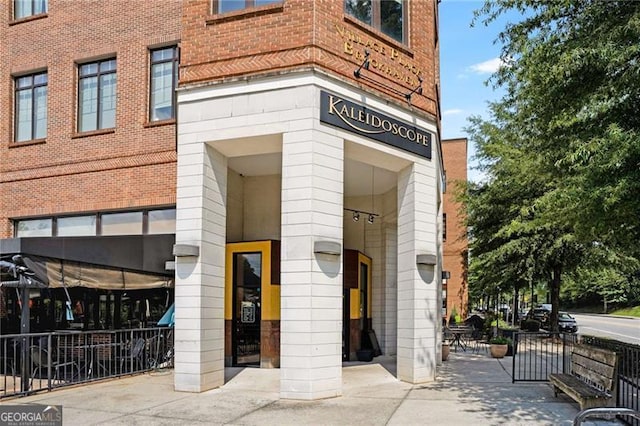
[602, 355]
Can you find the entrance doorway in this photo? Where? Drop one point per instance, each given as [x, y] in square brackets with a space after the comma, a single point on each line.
[247, 273]
[356, 304]
[252, 304]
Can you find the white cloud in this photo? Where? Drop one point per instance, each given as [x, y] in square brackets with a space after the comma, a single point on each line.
[487, 67]
[452, 111]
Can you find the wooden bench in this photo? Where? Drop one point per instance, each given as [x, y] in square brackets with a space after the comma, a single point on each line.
[593, 379]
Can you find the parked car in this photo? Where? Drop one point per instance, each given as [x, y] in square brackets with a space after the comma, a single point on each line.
[567, 323]
[540, 314]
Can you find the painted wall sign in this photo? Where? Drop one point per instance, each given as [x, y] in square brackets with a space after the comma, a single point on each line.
[364, 121]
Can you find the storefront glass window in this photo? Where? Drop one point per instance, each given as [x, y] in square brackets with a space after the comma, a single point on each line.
[121, 223]
[34, 228]
[76, 226]
[162, 221]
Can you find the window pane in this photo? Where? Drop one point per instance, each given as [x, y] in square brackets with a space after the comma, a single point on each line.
[162, 54]
[359, 9]
[109, 65]
[263, 2]
[108, 101]
[39, 6]
[162, 221]
[22, 8]
[162, 91]
[122, 223]
[88, 69]
[39, 79]
[24, 82]
[76, 226]
[40, 107]
[88, 104]
[24, 114]
[34, 228]
[230, 5]
[391, 18]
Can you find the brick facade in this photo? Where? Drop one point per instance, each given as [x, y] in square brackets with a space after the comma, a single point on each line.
[455, 246]
[131, 166]
[300, 34]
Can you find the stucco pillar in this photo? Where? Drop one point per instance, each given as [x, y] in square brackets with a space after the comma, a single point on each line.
[311, 283]
[418, 312]
[200, 222]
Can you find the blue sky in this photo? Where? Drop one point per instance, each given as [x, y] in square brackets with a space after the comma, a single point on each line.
[468, 57]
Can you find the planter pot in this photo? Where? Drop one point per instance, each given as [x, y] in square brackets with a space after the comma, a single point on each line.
[498, 351]
[445, 351]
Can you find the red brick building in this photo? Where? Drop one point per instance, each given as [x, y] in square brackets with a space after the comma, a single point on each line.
[455, 248]
[298, 168]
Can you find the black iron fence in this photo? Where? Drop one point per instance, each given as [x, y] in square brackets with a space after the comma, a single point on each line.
[43, 361]
[538, 354]
[628, 394]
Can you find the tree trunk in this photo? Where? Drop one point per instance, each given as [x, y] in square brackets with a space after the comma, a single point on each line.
[555, 298]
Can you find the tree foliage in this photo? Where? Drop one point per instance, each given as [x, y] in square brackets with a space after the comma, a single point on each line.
[561, 151]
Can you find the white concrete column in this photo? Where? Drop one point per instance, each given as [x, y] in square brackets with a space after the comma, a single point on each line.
[418, 312]
[390, 339]
[200, 221]
[311, 284]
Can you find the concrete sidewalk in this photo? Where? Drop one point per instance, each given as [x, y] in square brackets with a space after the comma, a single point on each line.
[470, 390]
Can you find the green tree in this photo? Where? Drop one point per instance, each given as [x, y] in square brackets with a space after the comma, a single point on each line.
[561, 151]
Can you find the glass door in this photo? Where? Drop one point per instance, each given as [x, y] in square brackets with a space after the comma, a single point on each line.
[247, 279]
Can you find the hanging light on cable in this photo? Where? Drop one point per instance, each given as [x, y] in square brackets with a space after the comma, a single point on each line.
[356, 216]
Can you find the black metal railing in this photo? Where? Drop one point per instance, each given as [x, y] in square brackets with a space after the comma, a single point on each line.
[538, 354]
[44, 361]
[628, 392]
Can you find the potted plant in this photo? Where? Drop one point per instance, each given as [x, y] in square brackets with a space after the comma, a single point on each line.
[498, 346]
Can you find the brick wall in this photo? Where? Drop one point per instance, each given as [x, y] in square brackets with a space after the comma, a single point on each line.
[132, 166]
[455, 247]
[298, 34]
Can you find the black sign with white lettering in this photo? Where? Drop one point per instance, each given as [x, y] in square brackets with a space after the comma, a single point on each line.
[364, 121]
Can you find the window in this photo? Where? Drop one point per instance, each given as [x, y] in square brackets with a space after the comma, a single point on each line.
[34, 228]
[26, 8]
[76, 226]
[387, 16]
[122, 223]
[444, 227]
[97, 95]
[162, 221]
[31, 107]
[223, 6]
[164, 77]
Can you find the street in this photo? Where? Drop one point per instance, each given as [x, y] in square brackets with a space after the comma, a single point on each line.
[619, 328]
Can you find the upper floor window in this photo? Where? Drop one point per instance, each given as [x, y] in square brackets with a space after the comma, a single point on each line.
[31, 107]
[164, 78]
[387, 16]
[223, 6]
[97, 95]
[26, 8]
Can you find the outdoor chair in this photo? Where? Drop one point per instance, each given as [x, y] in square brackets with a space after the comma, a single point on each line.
[40, 360]
[132, 356]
